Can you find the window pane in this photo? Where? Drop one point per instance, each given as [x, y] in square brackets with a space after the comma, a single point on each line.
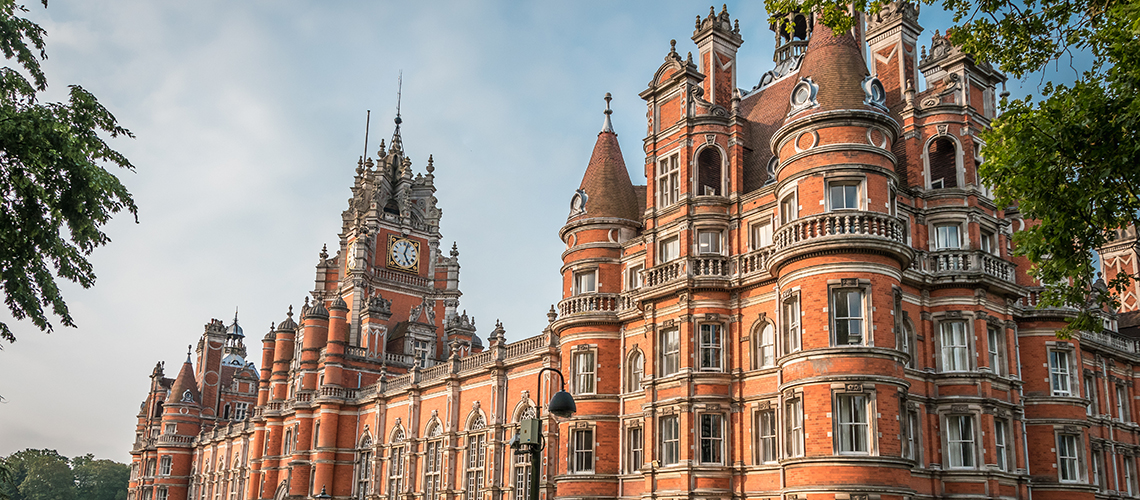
[947, 237]
[710, 347]
[711, 439]
[848, 307]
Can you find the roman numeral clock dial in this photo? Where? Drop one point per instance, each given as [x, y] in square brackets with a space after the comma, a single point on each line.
[403, 254]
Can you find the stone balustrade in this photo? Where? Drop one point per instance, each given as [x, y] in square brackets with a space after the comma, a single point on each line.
[840, 224]
[588, 303]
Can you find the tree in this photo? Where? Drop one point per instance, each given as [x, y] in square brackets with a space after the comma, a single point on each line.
[55, 194]
[1068, 161]
[48, 478]
[100, 479]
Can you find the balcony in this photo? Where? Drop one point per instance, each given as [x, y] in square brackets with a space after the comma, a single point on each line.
[589, 304]
[846, 231]
[956, 266]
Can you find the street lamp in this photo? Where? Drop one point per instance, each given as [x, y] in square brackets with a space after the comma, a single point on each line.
[528, 438]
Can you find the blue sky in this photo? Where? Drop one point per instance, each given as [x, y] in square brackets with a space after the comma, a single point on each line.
[249, 118]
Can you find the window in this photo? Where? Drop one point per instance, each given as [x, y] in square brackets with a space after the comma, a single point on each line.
[712, 438]
[1129, 475]
[226, 412]
[522, 476]
[636, 442]
[995, 347]
[670, 440]
[1090, 394]
[761, 234]
[766, 346]
[788, 209]
[794, 421]
[422, 351]
[710, 347]
[670, 351]
[1001, 447]
[960, 440]
[946, 237]
[1121, 403]
[582, 450]
[476, 462]
[364, 469]
[395, 471]
[766, 433]
[943, 162]
[988, 243]
[1059, 373]
[164, 466]
[847, 305]
[955, 347]
[708, 242]
[1098, 470]
[241, 410]
[909, 342]
[669, 249]
[584, 372]
[636, 371]
[843, 195]
[668, 182]
[708, 171]
[852, 424]
[911, 430]
[633, 282]
[791, 317]
[585, 282]
[433, 463]
[160, 494]
[170, 429]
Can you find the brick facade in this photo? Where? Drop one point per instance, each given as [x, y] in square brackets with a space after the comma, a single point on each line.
[812, 297]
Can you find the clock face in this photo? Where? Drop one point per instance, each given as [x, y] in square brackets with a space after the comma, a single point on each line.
[403, 254]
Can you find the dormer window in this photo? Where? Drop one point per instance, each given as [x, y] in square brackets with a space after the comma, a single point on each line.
[709, 172]
[187, 397]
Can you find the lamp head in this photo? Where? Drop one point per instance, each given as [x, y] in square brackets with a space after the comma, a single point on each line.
[562, 405]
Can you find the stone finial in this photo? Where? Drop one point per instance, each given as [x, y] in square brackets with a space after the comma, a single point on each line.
[698, 26]
[360, 166]
[381, 152]
[552, 314]
[431, 164]
[673, 47]
[607, 125]
[324, 252]
[454, 250]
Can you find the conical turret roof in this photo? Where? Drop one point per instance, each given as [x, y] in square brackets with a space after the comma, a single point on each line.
[608, 190]
[834, 63]
[185, 388]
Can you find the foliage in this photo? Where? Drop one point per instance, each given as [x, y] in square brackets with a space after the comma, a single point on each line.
[55, 193]
[1067, 161]
[47, 475]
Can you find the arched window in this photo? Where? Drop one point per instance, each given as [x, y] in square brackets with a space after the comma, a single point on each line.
[433, 461]
[635, 371]
[396, 465]
[364, 468]
[766, 346]
[943, 158]
[709, 172]
[476, 460]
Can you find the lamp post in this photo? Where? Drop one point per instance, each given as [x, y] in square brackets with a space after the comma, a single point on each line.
[528, 438]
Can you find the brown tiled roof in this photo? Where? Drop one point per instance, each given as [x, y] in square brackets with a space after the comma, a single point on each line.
[640, 191]
[835, 63]
[608, 188]
[184, 382]
[763, 114]
[1128, 324]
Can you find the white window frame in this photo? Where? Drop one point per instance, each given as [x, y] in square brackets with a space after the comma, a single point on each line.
[790, 320]
[582, 456]
[955, 355]
[1129, 474]
[794, 426]
[395, 470]
[1092, 409]
[669, 249]
[670, 439]
[670, 348]
[668, 181]
[1122, 403]
[844, 293]
[711, 438]
[710, 347]
[766, 425]
[987, 241]
[585, 371]
[521, 473]
[1060, 372]
[165, 465]
[635, 370]
[760, 234]
[912, 430]
[476, 465]
[241, 411]
[766, 346]
[852, 421]
[851, 194]
[433, 468]
[585, 281]
[709, 242]
[961, 442]
[942, 238]
[634, 280]
[789, 208]
[1099, 473]
[1001, 444]
[635, 443]
[995, 349]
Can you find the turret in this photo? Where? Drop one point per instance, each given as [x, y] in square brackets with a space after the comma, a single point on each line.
[717, 42]
[892, 43]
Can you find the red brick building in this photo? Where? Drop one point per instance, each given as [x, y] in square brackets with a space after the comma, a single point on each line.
[812, 297]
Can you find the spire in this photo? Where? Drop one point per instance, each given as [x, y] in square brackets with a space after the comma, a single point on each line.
[607, 125]
[234, 330]
[185, 389]
[397, 142]
[606, 185]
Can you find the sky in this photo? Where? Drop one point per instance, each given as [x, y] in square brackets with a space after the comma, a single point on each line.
[249, 118]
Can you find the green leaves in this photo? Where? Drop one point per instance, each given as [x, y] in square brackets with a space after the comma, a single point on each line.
[55, 192]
